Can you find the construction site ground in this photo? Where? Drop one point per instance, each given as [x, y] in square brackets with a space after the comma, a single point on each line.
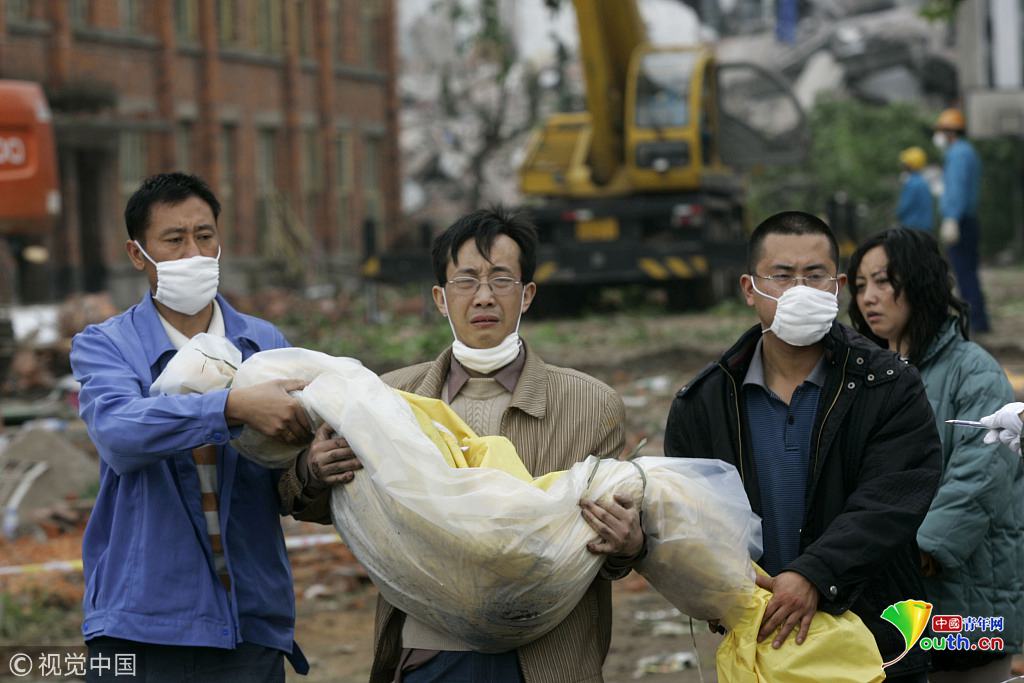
[645, 354]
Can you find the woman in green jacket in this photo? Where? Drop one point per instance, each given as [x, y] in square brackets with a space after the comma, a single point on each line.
[972, 540]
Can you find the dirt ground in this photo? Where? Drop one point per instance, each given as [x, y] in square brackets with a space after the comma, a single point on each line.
[645, 356]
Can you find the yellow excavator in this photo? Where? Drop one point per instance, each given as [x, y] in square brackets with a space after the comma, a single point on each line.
[644, 187]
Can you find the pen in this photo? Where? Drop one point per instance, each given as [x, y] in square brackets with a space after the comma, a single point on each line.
[967, 423]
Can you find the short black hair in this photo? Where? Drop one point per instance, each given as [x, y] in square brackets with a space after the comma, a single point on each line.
[483, 226]
[789, 223]
[920, 275]
[164, 188]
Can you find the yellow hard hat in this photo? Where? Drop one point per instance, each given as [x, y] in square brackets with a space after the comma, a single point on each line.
[951, 119]
[913, 158]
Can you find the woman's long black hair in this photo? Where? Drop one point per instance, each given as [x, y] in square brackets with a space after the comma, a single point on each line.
[918, 272]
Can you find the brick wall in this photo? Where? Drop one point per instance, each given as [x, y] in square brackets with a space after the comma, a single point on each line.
[170, 82]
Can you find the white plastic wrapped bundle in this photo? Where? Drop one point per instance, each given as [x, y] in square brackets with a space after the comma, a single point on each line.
[206, 363]
[488, 558]
[498, 562]
[698, 547]
[299, 364]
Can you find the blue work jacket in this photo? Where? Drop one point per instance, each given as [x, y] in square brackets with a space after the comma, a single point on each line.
[961, 179]
[148, 563]
[916, 209]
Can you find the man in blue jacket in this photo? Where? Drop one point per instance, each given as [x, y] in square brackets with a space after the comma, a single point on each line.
[960, 230]
[185, 565]
[915, 209]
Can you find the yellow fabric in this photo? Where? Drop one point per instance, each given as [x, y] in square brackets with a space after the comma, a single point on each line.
[838, 649]
[461, 447]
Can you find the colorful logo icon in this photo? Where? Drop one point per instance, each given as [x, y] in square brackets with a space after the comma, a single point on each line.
[911, 618]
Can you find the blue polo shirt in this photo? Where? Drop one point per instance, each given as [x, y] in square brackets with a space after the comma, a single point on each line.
[780, 439]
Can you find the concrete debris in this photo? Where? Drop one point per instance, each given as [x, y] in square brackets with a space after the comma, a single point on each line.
[55, 470]
[658, 615]
[664, 664]
[670, 629]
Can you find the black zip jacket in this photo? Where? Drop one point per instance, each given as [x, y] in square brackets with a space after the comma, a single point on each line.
[876, 461]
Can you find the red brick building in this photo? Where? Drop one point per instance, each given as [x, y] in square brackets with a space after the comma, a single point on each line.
[287, 108]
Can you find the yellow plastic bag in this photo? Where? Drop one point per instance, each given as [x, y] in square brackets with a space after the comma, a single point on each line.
[838, 649]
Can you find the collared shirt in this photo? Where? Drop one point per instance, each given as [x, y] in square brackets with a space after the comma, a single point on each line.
[178, 340]
[781, 446]
[146, 556]
[507, 376]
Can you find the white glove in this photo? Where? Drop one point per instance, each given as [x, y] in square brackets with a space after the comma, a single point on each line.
[1005, 426]
[949, 231]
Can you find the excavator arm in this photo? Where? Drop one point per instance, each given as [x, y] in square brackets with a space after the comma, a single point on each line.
[610, 32]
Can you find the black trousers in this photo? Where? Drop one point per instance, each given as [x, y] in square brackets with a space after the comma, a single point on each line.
[247, 663]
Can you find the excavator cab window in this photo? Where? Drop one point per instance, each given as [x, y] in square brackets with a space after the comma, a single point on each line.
[663, 90]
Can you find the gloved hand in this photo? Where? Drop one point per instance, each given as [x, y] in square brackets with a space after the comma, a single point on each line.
[1005, 426]
[949, 231]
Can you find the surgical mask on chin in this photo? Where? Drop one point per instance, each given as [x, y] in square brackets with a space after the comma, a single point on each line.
[487, 361]
[940, 141]
[186, 285]
[804, 314]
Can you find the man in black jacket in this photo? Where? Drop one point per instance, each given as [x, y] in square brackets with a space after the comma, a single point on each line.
[834, 439]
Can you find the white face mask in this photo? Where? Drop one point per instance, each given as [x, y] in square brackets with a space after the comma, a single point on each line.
[487, 361]
[186, 285]
[804, 314]
[940, 141]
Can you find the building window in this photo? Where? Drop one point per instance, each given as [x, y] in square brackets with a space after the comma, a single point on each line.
[132, 162]
[312, 177]
[268, 26]
[343, 172]
[227, 23]
[268, 211]
[130, 15]
[307, 37]
[372, 201]
[79, 13]
[371, 34]
[19, 11]
[186, 20]
[183, 140]
[337, 12]
[228, 169]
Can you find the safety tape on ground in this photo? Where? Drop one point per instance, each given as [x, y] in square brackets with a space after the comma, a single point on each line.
[65, 566]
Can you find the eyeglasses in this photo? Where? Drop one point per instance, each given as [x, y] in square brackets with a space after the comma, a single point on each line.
[465, 284]
[815, 280]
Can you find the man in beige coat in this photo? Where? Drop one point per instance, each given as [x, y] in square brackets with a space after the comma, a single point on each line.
[555, 417]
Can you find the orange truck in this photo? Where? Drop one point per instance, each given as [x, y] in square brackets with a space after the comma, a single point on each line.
[30, 200]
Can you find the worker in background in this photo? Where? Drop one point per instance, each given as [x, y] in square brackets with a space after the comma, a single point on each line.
[555, 417]
[960, 230]
[915, 209]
